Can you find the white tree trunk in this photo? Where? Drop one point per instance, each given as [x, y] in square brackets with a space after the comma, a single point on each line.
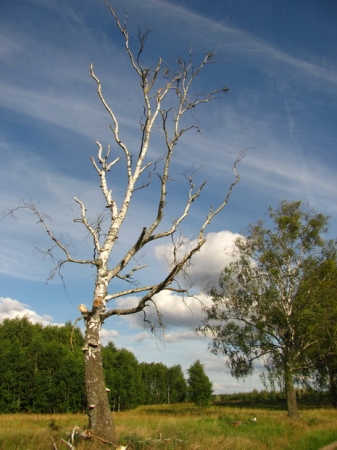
[176, 86]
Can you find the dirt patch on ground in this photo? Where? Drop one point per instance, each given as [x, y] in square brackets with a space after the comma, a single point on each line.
[332, 446]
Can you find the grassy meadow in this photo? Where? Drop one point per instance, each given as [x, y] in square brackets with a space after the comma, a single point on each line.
[182, 426]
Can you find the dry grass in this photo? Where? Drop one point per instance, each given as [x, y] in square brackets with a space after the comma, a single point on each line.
[180, 427]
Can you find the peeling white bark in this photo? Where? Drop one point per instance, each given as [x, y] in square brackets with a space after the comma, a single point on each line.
[176, 86]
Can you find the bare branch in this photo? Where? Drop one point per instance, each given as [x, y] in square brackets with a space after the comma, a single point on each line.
[115, 127]
[165, 106]
[94, 232]
[212, 212]
[31, 207]
[125, 33]
[68, 444]
[128, 276]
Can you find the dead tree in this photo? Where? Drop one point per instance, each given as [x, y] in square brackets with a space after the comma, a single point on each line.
[160, 86]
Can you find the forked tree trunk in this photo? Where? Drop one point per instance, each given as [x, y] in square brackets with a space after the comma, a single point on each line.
[291, 394]
[100, 418]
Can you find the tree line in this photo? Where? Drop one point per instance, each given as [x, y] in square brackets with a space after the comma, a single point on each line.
[276, 303]
[42, 371]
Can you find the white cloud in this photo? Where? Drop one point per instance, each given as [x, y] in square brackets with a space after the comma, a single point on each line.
[108, 335]
[141, 337]
[169, 338]
[207, 264]
[10, 309]
[180, 336]
[179, 311]
[176, 311]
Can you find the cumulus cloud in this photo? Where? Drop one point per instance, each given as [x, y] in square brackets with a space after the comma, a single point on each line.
[176, 311]
[10, 309]
[172, 337]
[182, 311]
[207, 264]
[108, 335]
[179, 336]
[141, 337]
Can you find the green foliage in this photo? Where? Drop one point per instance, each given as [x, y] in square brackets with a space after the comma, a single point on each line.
[162, 384]
[265, 307]
[42, 371]
[323, 319]
[199, 386]
[176, 385]
[276, 400]
[123, 378]
[154, 380]
[39, 371]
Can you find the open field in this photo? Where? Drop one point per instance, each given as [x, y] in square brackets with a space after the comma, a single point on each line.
[178, 427]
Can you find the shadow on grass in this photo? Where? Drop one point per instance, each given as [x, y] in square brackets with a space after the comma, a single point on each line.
[190, 409]
[317, 440]
[279, 405]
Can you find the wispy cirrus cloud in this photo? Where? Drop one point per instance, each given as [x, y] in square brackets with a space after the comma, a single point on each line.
[237, 43]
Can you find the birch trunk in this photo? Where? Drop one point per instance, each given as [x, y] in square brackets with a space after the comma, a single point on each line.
[100, 417]
[176, 85]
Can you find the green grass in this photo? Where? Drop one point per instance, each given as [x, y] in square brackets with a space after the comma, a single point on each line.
[180, 427]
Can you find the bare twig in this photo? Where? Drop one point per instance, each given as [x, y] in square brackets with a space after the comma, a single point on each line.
[68, 444]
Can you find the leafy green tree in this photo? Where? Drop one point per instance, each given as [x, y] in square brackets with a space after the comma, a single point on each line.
[154, 376]
[263, 308]
[123, 378]
[18, 371]
[163, 384]
[40, 370]
[199, 386]
[56, 385]
[5, 374]
[176, 385]
[323, 354]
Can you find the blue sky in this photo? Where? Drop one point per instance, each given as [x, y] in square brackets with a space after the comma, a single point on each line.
[279, 60]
